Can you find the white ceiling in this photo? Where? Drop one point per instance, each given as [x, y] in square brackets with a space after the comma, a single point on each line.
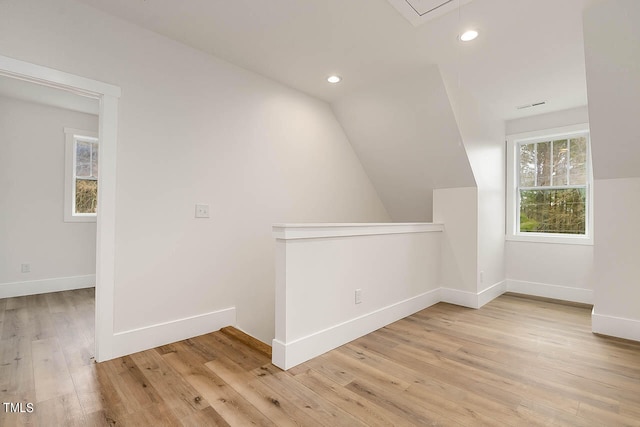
[420, 11]
[528, 50]
[394, 104]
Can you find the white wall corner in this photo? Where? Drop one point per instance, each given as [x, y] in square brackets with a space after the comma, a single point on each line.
[564, 293]
[470, 299]
[132, 341]
[458, 297]
[57, 284]
[288, 355]
[491, 293]
[615, 326]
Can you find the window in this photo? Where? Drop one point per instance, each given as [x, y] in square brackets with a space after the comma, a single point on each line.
[549, 191]
[81, 176]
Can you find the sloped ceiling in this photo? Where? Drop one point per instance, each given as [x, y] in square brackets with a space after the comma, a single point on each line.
[612, 44]
[399, 124]
[406, 137]
[527, 49]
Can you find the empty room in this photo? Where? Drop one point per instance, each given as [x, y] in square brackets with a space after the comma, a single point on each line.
[319, 212]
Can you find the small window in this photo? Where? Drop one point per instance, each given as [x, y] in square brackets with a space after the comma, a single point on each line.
[549, 186]
[81, 176]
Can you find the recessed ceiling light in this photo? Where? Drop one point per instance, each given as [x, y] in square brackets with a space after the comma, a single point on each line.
[469, 35]
[334, 79]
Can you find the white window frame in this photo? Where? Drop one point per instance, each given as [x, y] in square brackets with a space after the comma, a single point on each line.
[71, 138]
[513, 198]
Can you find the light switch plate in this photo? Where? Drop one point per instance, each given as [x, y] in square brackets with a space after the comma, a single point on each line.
[202, 211]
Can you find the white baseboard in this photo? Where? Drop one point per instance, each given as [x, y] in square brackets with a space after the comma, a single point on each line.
[288, 355]
[491, 293]
[33, 287]
[615, 326]
[564, 293]
[458, 297]
[472, 299]
[147, 337]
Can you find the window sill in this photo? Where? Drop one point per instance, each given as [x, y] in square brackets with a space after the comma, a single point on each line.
[80, 218]
[551, 238]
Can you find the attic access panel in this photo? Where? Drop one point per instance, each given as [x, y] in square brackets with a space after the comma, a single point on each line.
[420, 11]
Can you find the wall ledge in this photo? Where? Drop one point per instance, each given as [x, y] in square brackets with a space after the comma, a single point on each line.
[324, 230]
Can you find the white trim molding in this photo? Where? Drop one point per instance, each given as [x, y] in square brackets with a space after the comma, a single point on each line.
[134, 340]
[22, 70]
[311, 231]
[473, 299]
[458, 297]
[615, 326]
[545, 290]
[57, 284]
[288, 355]
[491, 293]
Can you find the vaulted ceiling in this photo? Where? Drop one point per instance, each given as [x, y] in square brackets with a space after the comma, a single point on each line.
[528, 50]
[433, 93]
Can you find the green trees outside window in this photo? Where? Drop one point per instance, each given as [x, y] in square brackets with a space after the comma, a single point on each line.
[86, 176]
[553, 186]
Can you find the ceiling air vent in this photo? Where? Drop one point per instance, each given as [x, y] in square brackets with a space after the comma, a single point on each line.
[535, 104]
[420, 11]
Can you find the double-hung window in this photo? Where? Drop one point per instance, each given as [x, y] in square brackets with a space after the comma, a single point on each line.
[81, 175]
[549, 186]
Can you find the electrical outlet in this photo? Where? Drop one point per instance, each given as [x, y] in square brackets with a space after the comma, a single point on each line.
[358, 296]
[202, 211]
[25, 268]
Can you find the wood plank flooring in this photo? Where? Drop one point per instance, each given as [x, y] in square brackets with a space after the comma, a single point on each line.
[515, 362]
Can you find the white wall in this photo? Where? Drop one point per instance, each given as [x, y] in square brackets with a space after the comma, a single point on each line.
[550, 270]
[617, 277]
[612, 56]
[406, 136]
[483, 138]
[612, 52]
[573, 116]
[196, 129]
[457, 209]
[319, 268]
[32, 230]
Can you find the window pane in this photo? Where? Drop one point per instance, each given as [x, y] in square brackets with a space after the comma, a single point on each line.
[578, 161]
[528, 165]
[94, 160]
[543, 159]
[86, 195]
[553, 211]
[560, 162]
[83, 158]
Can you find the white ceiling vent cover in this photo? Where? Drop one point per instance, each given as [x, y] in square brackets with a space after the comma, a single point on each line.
[420, 11]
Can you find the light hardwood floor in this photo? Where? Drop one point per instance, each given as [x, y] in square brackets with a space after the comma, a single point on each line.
[516, 362]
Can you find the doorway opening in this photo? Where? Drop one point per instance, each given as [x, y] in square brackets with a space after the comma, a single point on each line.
[106, 96]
